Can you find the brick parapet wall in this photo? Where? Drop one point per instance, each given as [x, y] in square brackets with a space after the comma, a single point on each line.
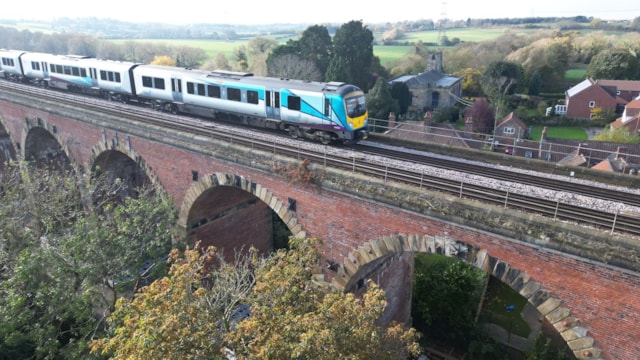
[347, 211]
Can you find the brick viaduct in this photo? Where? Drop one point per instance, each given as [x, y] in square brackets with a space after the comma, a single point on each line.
[370, 229]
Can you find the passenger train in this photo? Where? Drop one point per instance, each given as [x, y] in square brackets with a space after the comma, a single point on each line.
[322, 111]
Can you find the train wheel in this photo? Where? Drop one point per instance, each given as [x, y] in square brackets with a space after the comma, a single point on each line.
[294, 132]
[174, 109]
[325, 138]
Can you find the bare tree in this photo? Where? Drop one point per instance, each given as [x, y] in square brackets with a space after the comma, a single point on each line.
[293, 67]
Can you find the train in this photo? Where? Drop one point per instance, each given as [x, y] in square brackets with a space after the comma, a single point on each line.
[327, 112]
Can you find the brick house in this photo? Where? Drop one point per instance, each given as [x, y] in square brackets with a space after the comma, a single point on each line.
[630, 117]
[626, 90]
[432, 89]
[582, 99]
[511, 129]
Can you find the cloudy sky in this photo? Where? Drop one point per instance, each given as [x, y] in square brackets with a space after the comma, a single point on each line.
[327, 11]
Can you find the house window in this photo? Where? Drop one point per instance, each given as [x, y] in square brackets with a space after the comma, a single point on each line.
[509, 130]
[592, 104]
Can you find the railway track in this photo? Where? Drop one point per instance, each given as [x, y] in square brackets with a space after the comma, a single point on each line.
[357, 161]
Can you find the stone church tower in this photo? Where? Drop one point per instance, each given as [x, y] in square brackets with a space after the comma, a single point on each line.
[434, 61]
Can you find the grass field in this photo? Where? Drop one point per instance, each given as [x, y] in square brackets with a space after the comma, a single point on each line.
[494, 310]
[576, 74]
[559, 132]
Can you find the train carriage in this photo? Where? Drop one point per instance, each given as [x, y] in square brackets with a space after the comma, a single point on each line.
[112, 78]
[10, 65]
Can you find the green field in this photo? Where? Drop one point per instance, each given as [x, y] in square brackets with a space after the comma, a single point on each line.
[576, 74]
[559, 132]
[471, 34]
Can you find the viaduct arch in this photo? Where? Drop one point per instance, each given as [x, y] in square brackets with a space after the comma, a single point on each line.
[230, 209]
[379, 255]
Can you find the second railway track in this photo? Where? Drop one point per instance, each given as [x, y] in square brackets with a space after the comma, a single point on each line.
[357, 160]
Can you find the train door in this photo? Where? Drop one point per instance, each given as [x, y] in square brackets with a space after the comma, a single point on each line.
[93, 74]
[45, 70]
[272, 104]
[327, 110]
[176, 90]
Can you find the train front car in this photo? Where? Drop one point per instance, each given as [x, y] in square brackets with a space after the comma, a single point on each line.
[355, 115]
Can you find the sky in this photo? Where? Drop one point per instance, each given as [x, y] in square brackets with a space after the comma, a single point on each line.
[327, 11]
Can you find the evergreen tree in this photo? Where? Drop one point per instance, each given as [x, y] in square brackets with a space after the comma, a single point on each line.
[353, 44]
[379, 101]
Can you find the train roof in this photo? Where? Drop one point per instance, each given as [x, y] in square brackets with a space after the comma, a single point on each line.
[250, 79]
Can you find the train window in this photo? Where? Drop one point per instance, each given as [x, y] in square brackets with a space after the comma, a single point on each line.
[267, 98]
[83, 72]
[201, 90]
[118, 77]
[190, 88]
[252, 97]
[213, 91]
[146, 81]
[294, 102]
[35, 66]
[159, 83]
[111, 76]
[103, 75]
[75, 71]
[234, 94]
[67, 70]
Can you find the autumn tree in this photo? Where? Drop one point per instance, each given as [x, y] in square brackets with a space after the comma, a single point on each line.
[481, 115]
[258, 50]
[292, 317]
[184, 315]
[163, 60]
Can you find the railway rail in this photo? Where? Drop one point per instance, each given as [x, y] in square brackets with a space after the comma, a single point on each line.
[356, 162]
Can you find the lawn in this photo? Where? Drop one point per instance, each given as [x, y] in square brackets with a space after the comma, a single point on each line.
[576, 74]
[503, 306]
[559, 132]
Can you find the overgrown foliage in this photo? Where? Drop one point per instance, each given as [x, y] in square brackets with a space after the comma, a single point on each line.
[291, 317]
[63, 263]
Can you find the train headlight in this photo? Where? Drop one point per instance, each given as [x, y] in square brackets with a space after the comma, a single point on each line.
[351, 124]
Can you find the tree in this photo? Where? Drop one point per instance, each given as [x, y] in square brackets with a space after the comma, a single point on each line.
[470, 81]
[353, 45]
[500, 79]
[446, 294]
[316, 45]
[163, 60]
[292, 66]
[481, 114]
[614, 64]
[258, 50]
[291, 317]
[379, 101]
[60, 259]
[240, 59]
[184, 315]
[619, 135]
[400, 92]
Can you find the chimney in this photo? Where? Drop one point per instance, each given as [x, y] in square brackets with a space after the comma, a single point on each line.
[392, 120]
